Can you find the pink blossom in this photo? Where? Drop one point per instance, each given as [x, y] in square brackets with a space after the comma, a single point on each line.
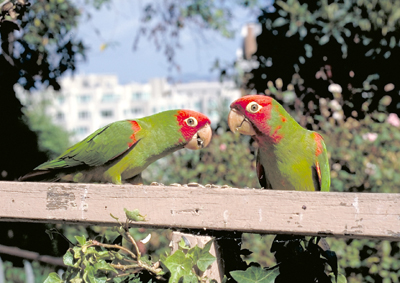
[222, 147]
[370, 136]
[393, 119]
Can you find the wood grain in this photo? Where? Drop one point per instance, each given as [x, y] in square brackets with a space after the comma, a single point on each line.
[352, 215]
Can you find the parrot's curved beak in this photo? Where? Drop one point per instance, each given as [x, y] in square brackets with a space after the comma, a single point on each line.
[201, 139]
[239, 123]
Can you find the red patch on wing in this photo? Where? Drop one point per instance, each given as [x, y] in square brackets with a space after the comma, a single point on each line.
[283, 118]
[318, 139]
[135, 128]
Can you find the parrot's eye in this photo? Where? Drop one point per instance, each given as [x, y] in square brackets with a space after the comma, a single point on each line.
[191, 122]
[253, 107]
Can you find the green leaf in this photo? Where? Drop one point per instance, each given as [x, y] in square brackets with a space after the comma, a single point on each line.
[68, 258]
[205, 261]
[182, 244]
[91, 275]
[255, 274]
[103, 265]
[189, 279]
[134, 215]
[207, 246]
[179, 265]
[77, 251]
[81, 240]
[53, 278]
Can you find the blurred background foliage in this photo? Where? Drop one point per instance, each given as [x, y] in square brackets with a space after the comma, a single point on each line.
[332, 64]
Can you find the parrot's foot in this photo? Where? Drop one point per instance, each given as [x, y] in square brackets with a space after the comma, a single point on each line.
[135, 180]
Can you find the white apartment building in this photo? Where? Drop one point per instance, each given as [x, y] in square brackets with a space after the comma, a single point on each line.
[88, 102]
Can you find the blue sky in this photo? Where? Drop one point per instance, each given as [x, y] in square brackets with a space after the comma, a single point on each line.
[118, 24]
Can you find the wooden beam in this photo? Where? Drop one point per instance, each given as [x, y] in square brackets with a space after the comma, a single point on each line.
[352, 215]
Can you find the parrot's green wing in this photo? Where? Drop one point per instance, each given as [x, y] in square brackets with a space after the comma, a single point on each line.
[100, 147]
[323, 164]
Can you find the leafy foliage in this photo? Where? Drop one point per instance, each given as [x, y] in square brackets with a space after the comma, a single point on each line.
[181, 264]
[110, 260]
[40, 52]
[163, 21]
[52, 138]
[255, 274]
[309, 46]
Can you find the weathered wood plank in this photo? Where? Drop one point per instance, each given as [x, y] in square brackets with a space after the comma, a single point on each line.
[354, 215]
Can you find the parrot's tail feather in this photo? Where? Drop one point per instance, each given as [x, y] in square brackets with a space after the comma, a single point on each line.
[40, 175]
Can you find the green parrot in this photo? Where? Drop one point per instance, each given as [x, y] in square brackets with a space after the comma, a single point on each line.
[289, 157]
[120, 151]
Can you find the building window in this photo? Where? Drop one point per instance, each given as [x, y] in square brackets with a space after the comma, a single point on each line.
[81, 130]
[136, 111]
[106, 113]
[84, 115]
[61, 100]
[85, 98]
[137, 96]
[60, 116]
[198, 105]
[109, 97]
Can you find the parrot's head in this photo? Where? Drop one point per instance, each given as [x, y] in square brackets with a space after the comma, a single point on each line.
[249, 115]
[195, 128]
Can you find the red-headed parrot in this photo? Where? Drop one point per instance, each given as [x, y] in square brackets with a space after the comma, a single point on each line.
[289, 157]
[120, 151]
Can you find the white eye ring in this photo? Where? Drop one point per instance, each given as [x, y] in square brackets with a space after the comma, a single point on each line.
[191, 122]
[253, 107]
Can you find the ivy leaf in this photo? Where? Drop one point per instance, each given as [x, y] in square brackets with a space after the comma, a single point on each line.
[90, 275]
[179, 265]
[255, 274]
[202, 257]
[77, 252]
[53, 278]
[189, 279]
[182, 244]
[81, 240]
[76, 279]
[134, 215]
[103, 265]
[68, 258]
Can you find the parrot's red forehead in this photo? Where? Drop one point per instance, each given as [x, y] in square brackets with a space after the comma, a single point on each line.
[259, 98]
[183, 114]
